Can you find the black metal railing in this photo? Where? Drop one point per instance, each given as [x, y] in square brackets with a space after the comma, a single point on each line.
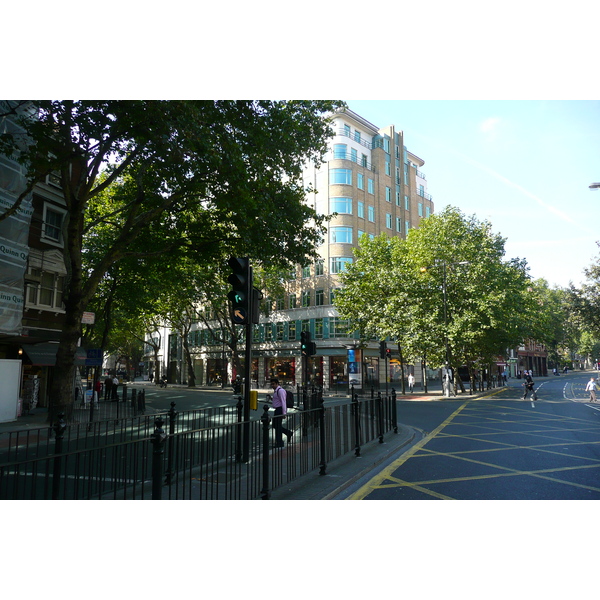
[193, 456]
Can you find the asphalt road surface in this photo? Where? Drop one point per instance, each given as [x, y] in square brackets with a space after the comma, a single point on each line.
[497, 447]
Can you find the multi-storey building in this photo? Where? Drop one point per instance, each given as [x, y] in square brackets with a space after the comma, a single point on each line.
[32, 276]
[374, 185]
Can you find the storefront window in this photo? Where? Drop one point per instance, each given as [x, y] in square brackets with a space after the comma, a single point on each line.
[282, 368]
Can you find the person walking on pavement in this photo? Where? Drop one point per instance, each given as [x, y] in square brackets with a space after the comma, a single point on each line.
[411, 382]
[591, 388]
[115, 386]
[280, 406]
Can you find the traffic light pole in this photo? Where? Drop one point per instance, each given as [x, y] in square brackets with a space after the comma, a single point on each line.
[247, 375]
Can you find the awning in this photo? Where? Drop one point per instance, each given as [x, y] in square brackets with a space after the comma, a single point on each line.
[44, 355]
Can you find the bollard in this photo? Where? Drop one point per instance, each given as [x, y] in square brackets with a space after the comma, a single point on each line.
[172, 416]
[59, 430]
[158, 441]
[394, 412]
[322, 439]
[134, 399]
[356, 415]
[142, 402]
[265, 419]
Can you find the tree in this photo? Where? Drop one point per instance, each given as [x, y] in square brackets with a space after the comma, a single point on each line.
[586, 300]
[199, 178]
[445, 292]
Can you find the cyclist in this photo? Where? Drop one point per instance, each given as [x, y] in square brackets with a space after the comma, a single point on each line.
[528, 386]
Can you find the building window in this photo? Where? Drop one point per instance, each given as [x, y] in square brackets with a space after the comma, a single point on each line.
[361, 209]
[397, 198]
[398, 225]
[306, 299]
[338, 263]
[388, 194]
[353, 155]
[359, 234]
[319, 268]
[360, 181]
[427, 211]
[52, 226]
[357, 136]
[388, 170]
[420, 209]
[340, 235]
[292, 330]
[388, 220]
[363, 160]
[341, 205]
[406, 203]
[319, 298]
[406, 226]
[339, 151]
[306, 272]
[319, 329]
[340, 176]
[370, 186]
[292, 300]
[47, 291]
[338, 328]
[268, 332]
[279, 327]
[279, 304]
[371, 212]
[346, 130]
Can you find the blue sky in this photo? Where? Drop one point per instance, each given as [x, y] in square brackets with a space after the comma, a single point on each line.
[523, 165]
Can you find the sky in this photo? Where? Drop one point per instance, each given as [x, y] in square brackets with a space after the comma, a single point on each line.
[523, 165]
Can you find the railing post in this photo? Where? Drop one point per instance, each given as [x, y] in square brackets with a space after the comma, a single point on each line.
[172, 417]
[379, 411]
[158, 441]
[238, 430]
[265, 419]
[394, 412]
[356, 413]
[59, 430]
[322, 438]
[134, 400]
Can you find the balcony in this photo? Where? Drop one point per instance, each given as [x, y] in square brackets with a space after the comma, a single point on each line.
[359, 161]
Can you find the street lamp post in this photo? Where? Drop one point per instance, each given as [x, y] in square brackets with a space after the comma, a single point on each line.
[594, 186]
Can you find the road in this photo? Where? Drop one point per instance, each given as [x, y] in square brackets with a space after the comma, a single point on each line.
[497, 447]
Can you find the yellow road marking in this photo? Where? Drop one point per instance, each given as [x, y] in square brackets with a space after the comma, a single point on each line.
[386, 473]
[377, 482]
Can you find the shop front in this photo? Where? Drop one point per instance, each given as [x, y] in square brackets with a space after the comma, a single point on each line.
[283, 369]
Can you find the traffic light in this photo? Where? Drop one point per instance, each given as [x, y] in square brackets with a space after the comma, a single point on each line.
[305, 343]
[382, 349]
[241, 292]
[388, 353]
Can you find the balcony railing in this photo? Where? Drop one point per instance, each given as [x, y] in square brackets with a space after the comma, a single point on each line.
[354, 137]
[355, 159]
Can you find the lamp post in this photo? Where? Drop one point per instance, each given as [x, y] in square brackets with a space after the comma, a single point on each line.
[594, 186]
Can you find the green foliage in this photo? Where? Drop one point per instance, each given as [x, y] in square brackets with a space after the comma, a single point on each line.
[446, 283]
[199, 180]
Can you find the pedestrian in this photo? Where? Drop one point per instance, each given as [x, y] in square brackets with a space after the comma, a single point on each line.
[591, 388]
[280, 406]
[115, 386]
[528, 386]
[411, 382]
[108, 387]
[150, 376]
[97, 390]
